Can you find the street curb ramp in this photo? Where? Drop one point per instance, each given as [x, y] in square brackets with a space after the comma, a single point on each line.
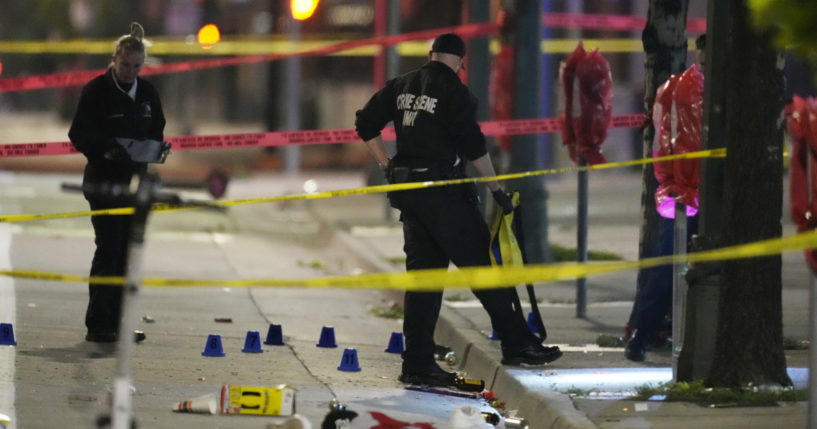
[542, 409]
[545, 409]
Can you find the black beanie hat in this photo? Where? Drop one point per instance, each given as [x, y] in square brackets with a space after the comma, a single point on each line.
[449, 43]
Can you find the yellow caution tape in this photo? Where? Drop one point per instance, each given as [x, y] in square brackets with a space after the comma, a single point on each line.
[116, 211]
[475, 277]
[713, 153]
[274, 46]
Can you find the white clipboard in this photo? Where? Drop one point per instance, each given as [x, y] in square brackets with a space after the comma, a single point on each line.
[152, 151]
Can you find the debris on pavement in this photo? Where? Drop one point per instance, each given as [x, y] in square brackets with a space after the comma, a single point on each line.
[441, 351]
[469, 417]
[444, 391]
[205, 404]
[296, 421]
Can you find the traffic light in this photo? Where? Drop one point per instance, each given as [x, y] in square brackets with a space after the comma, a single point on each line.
[209, 36]
[303, 9]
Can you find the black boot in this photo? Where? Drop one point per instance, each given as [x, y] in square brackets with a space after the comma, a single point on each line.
[635, 350]
[427, 375]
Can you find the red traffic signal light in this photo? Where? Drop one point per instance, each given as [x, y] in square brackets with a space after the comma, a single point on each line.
[209, 36]
[303, 9]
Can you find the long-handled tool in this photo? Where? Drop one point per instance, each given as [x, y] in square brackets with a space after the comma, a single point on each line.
[534, 305]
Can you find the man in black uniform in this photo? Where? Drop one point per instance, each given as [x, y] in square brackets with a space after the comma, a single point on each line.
[434, 117]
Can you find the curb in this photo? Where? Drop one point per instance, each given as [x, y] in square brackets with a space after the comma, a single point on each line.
[542, 409]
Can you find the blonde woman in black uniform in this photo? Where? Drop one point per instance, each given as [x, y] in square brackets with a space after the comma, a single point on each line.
[116, 104]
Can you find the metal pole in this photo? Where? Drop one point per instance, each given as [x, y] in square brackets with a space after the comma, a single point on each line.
[525, 149]
[122, 411]
[576, 7]
[393, 27]
[812, 354]
[387, 21]
[581, 241]
[380, 24]
[292, 153]
[679, 287]
[812, 316]
[122, 404]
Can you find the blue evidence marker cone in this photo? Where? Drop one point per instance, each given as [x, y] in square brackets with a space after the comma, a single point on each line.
[349, 361]
[7, 335]
[395, 343]
[274, 336]
[252, 344]
[327, 337]
[494, 336]
[532, 324]
[213, 346]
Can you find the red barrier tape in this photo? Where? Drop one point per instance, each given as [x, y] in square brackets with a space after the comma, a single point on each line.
[563, 20]
[608, 22]
[26, 83]
[308, 137]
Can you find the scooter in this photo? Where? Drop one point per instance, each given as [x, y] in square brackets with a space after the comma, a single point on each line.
[147, 193]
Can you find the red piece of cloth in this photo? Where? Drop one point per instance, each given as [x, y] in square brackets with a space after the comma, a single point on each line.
[678, 116]
[386, 422]
[587, 86]
[802, 124]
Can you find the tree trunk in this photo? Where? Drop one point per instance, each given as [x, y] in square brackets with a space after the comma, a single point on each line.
[749, 347]
[665, 49]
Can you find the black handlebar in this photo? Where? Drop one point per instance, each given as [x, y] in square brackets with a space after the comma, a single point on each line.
[122, 192]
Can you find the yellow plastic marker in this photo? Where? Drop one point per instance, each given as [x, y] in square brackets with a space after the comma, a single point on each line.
[266, 401]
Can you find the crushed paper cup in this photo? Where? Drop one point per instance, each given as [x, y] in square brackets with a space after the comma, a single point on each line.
[206, 404]
[467, 417]
[295, 421]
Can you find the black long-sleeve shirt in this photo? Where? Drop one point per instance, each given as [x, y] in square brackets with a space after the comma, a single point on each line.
[104, 113]
[434, 117]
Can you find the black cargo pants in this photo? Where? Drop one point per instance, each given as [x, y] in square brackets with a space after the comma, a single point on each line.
[443, 224]
[110, 259]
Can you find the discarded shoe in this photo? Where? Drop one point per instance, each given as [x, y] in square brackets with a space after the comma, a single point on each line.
[635, 351]
[100, 337]
[429, 376]
[338, 419]
[530, 355]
